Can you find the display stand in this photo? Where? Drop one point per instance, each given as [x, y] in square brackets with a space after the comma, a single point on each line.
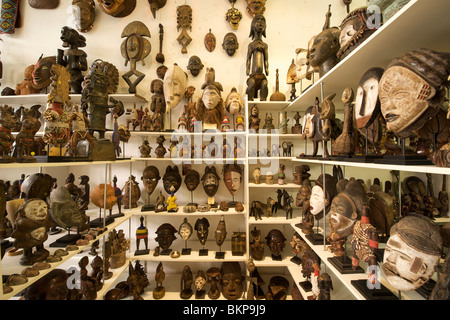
[296, 260]
[316, 238]
[98, 223]
[220, 254]
[344, 264]
[373, 294]
[66, 240]
[366, 158]
[203, 252]
[306, 285]
[186, 251]
[404, 159]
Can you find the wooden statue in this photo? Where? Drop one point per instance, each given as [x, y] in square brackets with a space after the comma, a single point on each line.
[131, 193]
[7, 123]
[345, 144]
[135, 48]
[277, 95]
[159, 291]
[187, 280]
[30, 231]
[322, 54]
[26, 86]
[74, 59]
[257, 60]
[78, 125]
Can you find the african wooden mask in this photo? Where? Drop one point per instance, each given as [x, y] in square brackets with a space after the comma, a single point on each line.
[230, 44]
[232, 280]
[367, 103]
[322, 54]
[41, 73]
[412, 90]
[171, 178]
[202, 228]
[43, 4]
[117, 8]
[195, 65]
[175, 85]
[233, 16]
[83, 12]
[412, 252]
[255, 7]
[165, 235]
[232, 176]
[210, 181]
[150, 178]
[210, 41]
[354, 31]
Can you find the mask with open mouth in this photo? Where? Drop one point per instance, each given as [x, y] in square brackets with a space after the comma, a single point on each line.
[117, 8]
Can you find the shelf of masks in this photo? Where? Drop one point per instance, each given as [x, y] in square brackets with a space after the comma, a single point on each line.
[177, 134]
[172, 282]
[194, 256]
[180, 213]
[413, 27]
[347, 279]
[32, 99]
[11, 265]
[19, 165]
[409, 168]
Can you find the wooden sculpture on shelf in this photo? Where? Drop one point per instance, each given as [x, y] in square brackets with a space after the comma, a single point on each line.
[257, 60]
[78, 125]
[131, 193]
[117, 8]
[73, 58]
[41, 73]
[159, 292]
[30, 230]
[277, 95]
[354, 31]
[56, 130]
[187, 279]
[292, 79]
[184, 21]
[322, 54]
[276, 242]
[7, 123]
[365, 242]
[420, 243]
[26, 86]
[231, 280]
[135, 48]
[345, 143]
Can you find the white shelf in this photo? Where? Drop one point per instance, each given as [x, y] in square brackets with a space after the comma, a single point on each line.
[419, 24]
[409, 168]
[10, 264]
[193, 160]
[181, 213]
[185, 133]
[289, 185]
[19, 165]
